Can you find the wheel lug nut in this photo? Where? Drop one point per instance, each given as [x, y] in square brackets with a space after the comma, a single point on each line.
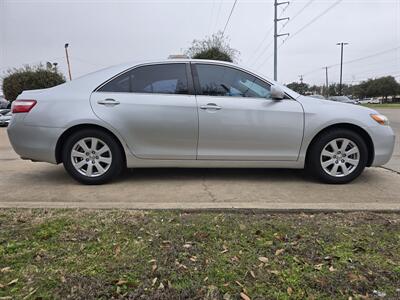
[336, 162]
[93, 152]
[342, 160]
[93, 161]
[87, 153]
[87, 159]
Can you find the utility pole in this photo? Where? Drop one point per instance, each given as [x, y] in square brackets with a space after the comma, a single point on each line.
[327, 82]
[69, 66]
[276, 35]
[341, 65]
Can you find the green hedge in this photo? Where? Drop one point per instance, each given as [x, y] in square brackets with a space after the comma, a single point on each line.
[30, 78]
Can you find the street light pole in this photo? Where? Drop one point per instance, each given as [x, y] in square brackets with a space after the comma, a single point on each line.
[69, 66]
[341, 65]
[327, 82]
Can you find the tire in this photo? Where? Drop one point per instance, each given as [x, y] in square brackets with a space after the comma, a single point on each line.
[331, 165]
[88, 165]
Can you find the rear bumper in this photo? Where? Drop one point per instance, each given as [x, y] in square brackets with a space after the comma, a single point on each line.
[384, 139]
[34, 143]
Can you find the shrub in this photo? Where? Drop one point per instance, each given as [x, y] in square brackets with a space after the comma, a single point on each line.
[30, 78]
[215, 47]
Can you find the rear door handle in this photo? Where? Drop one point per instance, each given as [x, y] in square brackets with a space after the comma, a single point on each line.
[212, 106]
[108, 102]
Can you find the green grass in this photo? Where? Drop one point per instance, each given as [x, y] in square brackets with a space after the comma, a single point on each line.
[85, 254]
[385, 105]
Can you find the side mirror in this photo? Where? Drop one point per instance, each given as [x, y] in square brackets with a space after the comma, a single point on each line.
[277, 93]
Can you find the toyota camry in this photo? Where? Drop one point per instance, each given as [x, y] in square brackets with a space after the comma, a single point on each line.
[193, 113]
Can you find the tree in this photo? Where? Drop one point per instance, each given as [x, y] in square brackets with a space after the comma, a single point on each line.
[214, 47]
[30, 78]
[300, 88]
[388, 86]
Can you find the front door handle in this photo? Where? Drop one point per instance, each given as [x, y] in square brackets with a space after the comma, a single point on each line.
[212, 106]
[108, 102]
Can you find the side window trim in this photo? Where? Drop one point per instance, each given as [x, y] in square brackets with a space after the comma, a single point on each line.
[190, 79]
[187, 73]
[196, 81]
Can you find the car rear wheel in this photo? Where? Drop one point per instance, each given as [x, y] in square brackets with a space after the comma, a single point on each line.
[338, 156]
[92, 157]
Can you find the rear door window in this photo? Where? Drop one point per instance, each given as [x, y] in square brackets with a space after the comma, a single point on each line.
[160, 79]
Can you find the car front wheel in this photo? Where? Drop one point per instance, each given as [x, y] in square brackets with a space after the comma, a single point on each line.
[92, 157]
[338, 156]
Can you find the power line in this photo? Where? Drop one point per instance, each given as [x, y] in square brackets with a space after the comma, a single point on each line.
[267, 35]
[356, 59]
[265, 48]
[302, 9]
[374, 76]
[218, 13]
[211, 17]
[368, 56]
[314, 19]
[230, 14]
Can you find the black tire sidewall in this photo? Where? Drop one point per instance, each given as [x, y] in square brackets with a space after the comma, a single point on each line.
[314, 163]
[116, 163]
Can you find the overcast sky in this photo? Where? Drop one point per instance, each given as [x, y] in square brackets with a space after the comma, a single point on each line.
[102, 33]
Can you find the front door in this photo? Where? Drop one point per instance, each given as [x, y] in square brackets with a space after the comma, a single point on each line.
[238, 120]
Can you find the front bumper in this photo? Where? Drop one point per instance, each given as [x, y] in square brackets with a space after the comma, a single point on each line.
[34, 143]
[383, 138]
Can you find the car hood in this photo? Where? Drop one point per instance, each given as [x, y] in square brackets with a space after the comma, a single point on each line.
[334, 105]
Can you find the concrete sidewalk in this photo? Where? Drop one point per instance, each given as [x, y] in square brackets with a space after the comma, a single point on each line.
[28, 184]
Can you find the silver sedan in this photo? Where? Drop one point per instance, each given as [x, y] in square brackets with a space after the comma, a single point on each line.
[193, 113]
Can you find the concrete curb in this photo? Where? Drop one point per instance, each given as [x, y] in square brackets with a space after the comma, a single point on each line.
[207, 206]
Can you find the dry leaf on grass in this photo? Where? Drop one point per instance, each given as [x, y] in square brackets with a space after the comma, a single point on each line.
[153, 282]
[121, 282]
[289, 291]
[244, 296]
[318, 267]
[117, 250]
[14, 281]
[263, 259]
[5, 269]
[279, 251]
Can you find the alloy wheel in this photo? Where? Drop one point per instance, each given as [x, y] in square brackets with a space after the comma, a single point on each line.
[91, 157]
[340, 157]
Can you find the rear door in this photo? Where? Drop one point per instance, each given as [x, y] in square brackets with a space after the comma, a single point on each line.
[152, 107]
[238, 120]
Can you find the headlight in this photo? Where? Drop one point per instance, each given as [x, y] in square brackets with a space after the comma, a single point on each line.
[381, 119]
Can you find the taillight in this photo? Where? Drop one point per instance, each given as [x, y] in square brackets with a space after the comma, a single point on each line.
[22, 106]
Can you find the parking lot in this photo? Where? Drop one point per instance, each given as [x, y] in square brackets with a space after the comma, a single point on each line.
[28, 184]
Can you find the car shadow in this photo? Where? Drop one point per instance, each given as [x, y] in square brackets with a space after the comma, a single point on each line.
[231, 174]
